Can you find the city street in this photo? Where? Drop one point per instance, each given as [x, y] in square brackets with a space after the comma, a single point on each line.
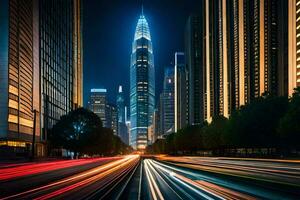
[161, 177]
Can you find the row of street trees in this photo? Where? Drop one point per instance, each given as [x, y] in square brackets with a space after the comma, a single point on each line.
[81, 132]
[269, 123]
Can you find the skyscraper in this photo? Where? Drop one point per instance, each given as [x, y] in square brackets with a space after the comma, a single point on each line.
[19, 78]
[180, 82]
[294, 45]
[156, 124]
[97, 104]
[245, 52]
[194, 57]
[168, 101]
[121, 105]
[60, 59]
[111, 117]
[142, 85]
[122, 128]
[41, 68]
[265, 50]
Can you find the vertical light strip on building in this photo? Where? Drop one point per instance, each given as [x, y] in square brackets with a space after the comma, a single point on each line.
[176, 94]
[208, 100]
[297, 44]
[36, 66]
[77, 59]
[241, 52]
[225, 62]
[261, 48]
[292, 45]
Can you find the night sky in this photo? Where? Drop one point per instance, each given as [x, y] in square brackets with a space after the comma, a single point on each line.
[108, 31]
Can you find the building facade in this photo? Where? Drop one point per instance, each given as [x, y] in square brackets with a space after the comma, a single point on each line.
[19, 80]
[111, 117]
[194, 56]
[168, 101]
[97, 103]
[180, 92]
[156, 124]
[60, 60]
[41, 60]
[246, 53]
[122, 128]
[293, 45]
[121, 105]
[142, 85]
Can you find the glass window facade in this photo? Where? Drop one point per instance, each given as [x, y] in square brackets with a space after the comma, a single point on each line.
[142, 85]
[60, 59]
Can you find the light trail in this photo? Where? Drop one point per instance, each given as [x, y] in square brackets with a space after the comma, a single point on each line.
[258, 169]
[76, 181]
[182, 183]
[28, 169]
[155, 192]
[209, 186]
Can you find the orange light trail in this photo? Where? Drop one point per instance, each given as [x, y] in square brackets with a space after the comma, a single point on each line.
[27, 169]
[79, 180]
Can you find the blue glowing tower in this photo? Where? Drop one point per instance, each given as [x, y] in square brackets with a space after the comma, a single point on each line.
[142, 85]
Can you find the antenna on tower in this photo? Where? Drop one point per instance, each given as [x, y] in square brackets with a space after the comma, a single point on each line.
[142, 8]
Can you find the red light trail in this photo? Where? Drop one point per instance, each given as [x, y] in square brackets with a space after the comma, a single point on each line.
[27, 169]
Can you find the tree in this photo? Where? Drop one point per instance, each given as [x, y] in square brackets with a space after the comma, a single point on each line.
[289, 127]
[255, 124]
[74, 130]
[213, 135]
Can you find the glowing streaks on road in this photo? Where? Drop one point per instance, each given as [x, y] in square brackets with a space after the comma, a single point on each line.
[271, 170]
[77, 181]
[155, 192]
[12, 171]
[156, 167]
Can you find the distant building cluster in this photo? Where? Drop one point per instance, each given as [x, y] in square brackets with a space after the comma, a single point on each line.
[112, 115]
[40, 70]
[235, 51]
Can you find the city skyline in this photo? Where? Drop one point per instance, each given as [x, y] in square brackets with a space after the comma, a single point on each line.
[149, 99]
[99, 61]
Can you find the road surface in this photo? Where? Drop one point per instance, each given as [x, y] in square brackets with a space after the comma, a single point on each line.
[160, 177]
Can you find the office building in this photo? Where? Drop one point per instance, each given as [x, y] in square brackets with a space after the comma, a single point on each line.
[194, 58]
[156, 124]
[122, 128]
[142, 85]
[121, 105]
[41, 65]
[293, 45]
[180, 91]
[97, 104]
[60, 61]
[128, 132]
[19, 78]
[168, 101]
[111, 117]
[245, 52]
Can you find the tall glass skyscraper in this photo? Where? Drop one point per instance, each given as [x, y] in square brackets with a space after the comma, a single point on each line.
[60, 60]
[40, 70]
[142, 85]
[18, 79]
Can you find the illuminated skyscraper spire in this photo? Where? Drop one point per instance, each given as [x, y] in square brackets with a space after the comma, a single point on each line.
[142, 85]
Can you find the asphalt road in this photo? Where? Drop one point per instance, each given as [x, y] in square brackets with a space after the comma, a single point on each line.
[130, 177]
